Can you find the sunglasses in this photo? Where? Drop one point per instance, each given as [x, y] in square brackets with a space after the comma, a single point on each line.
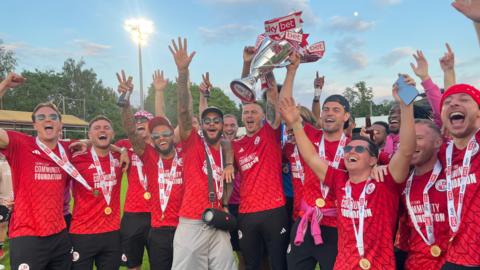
[358, 149]
[141, 120]
[42, 117]
[164, 134]
[208, 121]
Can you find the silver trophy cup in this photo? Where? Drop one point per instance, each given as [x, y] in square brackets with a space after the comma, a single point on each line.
[270, 54]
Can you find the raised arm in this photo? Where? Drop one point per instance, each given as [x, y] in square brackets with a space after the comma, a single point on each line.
[271, 112]
[128, 121]
[11, 81]
[184, 110]
[400, 162]
[248, 54]
[317, 86]
[291, 115]
[471, 10]
[431, 89]
[205, 90]
[447, 63]
[159, 84]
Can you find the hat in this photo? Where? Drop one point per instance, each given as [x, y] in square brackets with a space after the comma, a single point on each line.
[212, 109]
[143, 114]
[464, 89]
[339, 99]
[158, 121]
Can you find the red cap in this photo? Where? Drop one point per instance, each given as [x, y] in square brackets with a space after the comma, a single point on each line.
[159, 121]
[464, 89]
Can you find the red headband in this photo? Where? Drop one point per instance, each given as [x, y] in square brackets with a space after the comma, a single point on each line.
[461, 89]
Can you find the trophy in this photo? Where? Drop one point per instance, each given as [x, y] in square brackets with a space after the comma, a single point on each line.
[283, 36]
[123, 99]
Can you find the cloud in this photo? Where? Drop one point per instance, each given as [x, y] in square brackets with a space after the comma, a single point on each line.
[91, 48]
[349, 55]
[396, 55]
[472, 62]
[388, 2]
[347, 24]
[227, 33]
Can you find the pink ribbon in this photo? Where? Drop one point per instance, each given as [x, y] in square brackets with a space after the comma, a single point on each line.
[314, 214]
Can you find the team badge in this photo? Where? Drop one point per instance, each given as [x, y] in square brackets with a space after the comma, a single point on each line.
[23, 266]
[257, 140]
[441, 185]
[75, 256]
[180, 162]
[370, 188]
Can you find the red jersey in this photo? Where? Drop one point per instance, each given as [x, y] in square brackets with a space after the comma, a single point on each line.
[259, 158]
[465, 247]
[195, 176]
[297, 184]
[312, 190]
[381, 200]
[90, 210]
[38, 187]
[403, 231]
[135, 200]
[419, 256]
[170, 216]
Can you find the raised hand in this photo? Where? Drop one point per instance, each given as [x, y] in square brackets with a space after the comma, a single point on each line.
[205, 86]
[421, 70]
[319, 82]
[289, 111]
[248, 53]
[447, 62]
[469, 8]
[180, 54]
[159, 82]
[408, 80]
[294, 59]
[11, 81]
[124, 85]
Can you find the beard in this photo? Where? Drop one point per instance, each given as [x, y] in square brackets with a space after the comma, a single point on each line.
[213, 140]
[166, 151]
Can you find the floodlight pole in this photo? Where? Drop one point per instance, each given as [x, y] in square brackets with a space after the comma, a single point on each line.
[141, 71]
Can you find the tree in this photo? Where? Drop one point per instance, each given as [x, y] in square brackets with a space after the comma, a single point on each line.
[360, 98]
[7, 60]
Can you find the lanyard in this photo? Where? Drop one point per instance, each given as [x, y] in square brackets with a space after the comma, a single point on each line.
[141, 176]
[336, 161]
[217, 171]
[454, 215]
[63, 162]
[165, 183]
[361, 214]
[105, 184]
[298, 164]
[427, 210]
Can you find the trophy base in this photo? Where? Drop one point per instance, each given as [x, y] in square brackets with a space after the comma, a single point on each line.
[243, 91]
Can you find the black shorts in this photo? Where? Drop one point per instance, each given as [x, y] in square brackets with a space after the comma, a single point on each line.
[264, 231]
[160, 247]
[233, 209]
[307, 255]
[452, 266]
[50, 252]
[400, 258]
[134, 234]
[102, 248]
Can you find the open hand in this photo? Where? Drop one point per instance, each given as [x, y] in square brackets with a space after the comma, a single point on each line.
[180, 54]
[421, 69]
[159, 81]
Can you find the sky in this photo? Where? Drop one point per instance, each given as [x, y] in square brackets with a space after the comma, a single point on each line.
[369, 40]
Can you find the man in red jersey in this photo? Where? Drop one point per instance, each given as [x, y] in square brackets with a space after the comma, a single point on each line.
[95, 226]
[367, 210]
[165, 164]
[317, 244]
[196, 245]
[425, 231]
[136, 218]
[38, 239]
[459, 156]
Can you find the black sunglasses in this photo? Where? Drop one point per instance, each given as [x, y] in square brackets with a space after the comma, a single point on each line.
[164, 134]
[358, 149]
[41, 117]
[208, 121]
[141, 120]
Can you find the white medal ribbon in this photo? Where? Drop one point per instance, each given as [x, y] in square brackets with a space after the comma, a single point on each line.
[298, 164]
[165, 183]
[63, 162]
[454, 216]
[361, 215]
[141, 176]
[335, 163]
[427, 210]
[217, 171]
[106, 186]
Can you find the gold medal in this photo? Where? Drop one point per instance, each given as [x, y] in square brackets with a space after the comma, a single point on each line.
[107, 210]
[364, 264]
[147, 195]
[435, 251]
[320, 202]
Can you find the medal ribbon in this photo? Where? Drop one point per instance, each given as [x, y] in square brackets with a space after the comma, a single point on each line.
[361, 215]
[335, 163]
[141, 176]
[165, 183]
[105, 185]
[454, 215]
[298, 164]
[217, 175]
[427, 210]
[63, 162]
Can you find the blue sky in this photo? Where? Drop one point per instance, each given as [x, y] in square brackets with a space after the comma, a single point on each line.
[373, 46]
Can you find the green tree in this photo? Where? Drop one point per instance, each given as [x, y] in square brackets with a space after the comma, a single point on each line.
[360, 98]
[7, 60]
